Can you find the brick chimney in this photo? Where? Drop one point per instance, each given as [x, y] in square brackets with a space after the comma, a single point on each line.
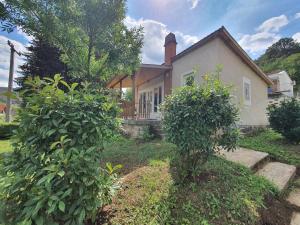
[170, 48]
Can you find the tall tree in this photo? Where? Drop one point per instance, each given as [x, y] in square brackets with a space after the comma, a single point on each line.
[282, 48]
[91, 33]
[43, 60]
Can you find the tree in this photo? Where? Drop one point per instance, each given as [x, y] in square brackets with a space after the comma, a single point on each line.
[91, 34]
[128, 95]
[282, 48]
[285, 119]
[43, 60]
[199, 120]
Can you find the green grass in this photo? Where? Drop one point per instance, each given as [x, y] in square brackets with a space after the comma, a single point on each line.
[225, 193]
[5, 146]
[274, 144]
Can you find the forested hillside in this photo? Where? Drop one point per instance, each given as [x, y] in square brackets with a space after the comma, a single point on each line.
[282, 55]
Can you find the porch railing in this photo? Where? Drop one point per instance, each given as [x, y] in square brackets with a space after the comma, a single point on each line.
[135, 111]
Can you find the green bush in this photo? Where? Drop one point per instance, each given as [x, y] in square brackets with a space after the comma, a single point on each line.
[199, 120]
[54, 175]
[6, 129]
[285, 119]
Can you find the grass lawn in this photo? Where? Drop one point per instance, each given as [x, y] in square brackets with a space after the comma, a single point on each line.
[274, 144]
[225, 193]
[5, 146]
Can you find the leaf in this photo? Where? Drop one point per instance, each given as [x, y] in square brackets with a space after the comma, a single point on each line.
[39, 220]
[54, 144]
[81, 216]
[61, 173]
[109, 167]
[117, 167]
[61, 206]
[73, 86]
[65, 84]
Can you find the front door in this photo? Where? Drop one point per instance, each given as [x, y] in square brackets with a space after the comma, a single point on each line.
[145, 104]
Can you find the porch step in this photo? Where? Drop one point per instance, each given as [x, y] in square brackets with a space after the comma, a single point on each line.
[246, 157]
[295, 219]
[294, 198]
[278, 173]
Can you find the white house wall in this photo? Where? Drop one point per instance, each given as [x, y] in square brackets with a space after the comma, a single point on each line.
[205, 60]
[285, 83]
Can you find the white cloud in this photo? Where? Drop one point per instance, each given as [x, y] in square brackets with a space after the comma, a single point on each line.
[266, 35]
[194, 3]
[22, 33]
[297, 37]
[259, 42]
[273, 24]
[154, 37]
[5, 59]
[297, 15]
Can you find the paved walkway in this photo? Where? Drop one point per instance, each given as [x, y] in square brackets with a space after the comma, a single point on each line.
[280, 174]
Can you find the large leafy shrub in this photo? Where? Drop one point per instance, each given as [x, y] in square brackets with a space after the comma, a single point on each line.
[200, 120]
[54, 175]
[285, 119]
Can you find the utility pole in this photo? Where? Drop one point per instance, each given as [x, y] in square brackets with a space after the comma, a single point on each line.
[10, 81]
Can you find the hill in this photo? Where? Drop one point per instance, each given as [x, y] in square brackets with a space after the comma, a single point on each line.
[282, 55]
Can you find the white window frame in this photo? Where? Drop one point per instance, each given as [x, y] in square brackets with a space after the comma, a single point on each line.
[184, 76]
[248, 82]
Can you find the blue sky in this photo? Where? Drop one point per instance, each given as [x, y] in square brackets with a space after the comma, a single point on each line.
[255, 24]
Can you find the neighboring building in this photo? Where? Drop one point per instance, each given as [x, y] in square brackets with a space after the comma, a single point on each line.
[283, 85]
[282, 88]
[151, 83]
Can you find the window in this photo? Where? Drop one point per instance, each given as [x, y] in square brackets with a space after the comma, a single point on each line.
[247, 91]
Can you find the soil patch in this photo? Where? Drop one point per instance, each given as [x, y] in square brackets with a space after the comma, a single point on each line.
[276, 213]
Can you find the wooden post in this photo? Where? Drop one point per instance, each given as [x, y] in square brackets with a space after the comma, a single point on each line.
[10, 81]
[133, 92]
[121, 85]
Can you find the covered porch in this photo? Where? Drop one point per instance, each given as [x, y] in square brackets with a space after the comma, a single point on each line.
[149, 85]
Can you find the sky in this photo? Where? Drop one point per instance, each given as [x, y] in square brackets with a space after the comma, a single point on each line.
[255, 24]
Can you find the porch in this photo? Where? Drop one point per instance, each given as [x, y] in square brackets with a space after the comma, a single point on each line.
[149, 84]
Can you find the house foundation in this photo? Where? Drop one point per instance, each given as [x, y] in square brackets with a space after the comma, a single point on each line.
[136, 128]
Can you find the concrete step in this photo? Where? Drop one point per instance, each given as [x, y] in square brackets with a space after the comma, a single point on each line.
[278, 173]
[245, 157]
[294, 198]
[295, 219]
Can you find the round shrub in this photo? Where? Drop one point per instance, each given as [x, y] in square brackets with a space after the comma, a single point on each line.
[200, 120]
[285, 119]
[54, 175]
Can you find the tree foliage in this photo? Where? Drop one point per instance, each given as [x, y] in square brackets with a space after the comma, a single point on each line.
[54, 176]
[200, 120]
[282, 48]
[91, 34]
[283, 55]
[285, 119]
[43, 60]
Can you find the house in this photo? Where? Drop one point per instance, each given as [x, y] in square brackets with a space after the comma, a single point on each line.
[283, 86]
[151, 82]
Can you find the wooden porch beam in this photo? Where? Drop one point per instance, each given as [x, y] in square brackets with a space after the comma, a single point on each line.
[133, 88]
[112, 86]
